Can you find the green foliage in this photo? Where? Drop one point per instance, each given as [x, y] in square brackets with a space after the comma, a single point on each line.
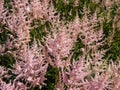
[7, 4]
[76, 49]
[67, 11]
[3, 34]
[7, 60]
[108, 27]
[52, 77]
[114, 52]
[39, 31]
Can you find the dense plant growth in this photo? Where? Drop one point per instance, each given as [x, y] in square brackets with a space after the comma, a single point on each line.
[59, 45]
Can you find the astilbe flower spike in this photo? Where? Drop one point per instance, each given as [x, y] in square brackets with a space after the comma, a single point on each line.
[61, 42]
[78, 74]
[3, 84]
[32, 67]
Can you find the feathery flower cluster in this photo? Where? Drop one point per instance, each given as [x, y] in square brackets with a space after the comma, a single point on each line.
[31, 67]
